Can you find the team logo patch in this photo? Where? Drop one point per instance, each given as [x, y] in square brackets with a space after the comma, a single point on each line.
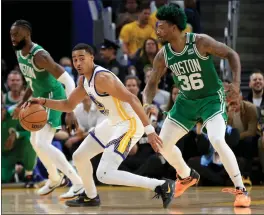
[190, 51]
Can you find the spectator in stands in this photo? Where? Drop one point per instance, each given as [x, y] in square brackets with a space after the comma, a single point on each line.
[66, 63]
[261, 150]
[135, 33]
[193, 16]
[132, 83]
[162, 97]
[88, 116]
[243, 116]
[127, 15]
[15, 86]
[16, 148]
[145, 56]
[108, 54]
[256, 83]
[173, 95]
[153, 19]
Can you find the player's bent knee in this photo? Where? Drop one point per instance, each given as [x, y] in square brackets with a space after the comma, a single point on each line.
[102, 175]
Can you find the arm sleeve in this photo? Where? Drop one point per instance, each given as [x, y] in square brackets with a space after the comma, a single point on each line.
[68, 82]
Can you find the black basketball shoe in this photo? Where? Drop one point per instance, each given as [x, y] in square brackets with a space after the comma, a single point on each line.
[83, 201]
[166, 192]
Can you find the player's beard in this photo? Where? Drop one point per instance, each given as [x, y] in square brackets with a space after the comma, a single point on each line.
[20, 45]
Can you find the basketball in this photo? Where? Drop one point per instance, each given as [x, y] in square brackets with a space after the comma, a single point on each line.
[33, 118]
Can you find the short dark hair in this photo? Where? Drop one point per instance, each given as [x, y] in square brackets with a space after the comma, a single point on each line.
[133, 77]
[24, 24]
[173, 14]
[256, 71]
[84, 46]
[15, 72]
[144, 6]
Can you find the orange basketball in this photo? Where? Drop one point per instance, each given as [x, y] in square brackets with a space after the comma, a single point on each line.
[33, 118]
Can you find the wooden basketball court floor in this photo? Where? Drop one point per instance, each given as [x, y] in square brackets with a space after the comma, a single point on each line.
[124, 200]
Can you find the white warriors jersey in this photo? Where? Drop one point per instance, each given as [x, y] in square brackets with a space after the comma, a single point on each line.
[115, 110]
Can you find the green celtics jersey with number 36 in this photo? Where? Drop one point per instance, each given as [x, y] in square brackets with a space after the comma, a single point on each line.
[195, 75]
[40, 81]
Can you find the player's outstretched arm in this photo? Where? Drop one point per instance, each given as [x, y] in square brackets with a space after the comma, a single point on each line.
[44, 61]
[208, 45]
[159, 69]
[107, 83]
[66, 105]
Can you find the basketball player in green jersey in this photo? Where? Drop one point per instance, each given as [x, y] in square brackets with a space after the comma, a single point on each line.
[201, 97]
[44, 78]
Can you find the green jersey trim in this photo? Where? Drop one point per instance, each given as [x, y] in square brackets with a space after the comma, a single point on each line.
[196, 50]
[33, 64]
[8, 96]
[185, 47]
[25, 57]
[177, 123]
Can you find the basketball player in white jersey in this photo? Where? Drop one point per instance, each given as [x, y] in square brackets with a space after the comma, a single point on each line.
[125, 124]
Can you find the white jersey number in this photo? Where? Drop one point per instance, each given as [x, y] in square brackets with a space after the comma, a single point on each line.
[29, 81]
[193, 82]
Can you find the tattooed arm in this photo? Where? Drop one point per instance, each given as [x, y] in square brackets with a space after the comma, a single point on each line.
[159, 69]
[207, 45]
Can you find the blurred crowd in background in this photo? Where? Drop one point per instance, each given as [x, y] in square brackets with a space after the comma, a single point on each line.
[135, 27]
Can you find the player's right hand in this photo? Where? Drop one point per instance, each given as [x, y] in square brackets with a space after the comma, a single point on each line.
[155, 141]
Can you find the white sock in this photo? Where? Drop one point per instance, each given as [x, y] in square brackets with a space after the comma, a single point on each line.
[170, 134]
[216, 133]
[108, 173]
[81, 157]
[55, 155]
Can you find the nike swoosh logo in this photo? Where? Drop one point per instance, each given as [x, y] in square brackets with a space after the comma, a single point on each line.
[237, 175]
[87, 200]
[51, 187]
[77, 191]
[169, 190]
[170, 58]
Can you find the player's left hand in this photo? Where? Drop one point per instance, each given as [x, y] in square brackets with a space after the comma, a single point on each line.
[71, 122]
[233, 91]
[9, 144]
[155, 141]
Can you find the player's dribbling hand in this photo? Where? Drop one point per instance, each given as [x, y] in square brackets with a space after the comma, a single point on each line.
[40, 101]
[155, 141]
[15, 114]
[71, 122]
